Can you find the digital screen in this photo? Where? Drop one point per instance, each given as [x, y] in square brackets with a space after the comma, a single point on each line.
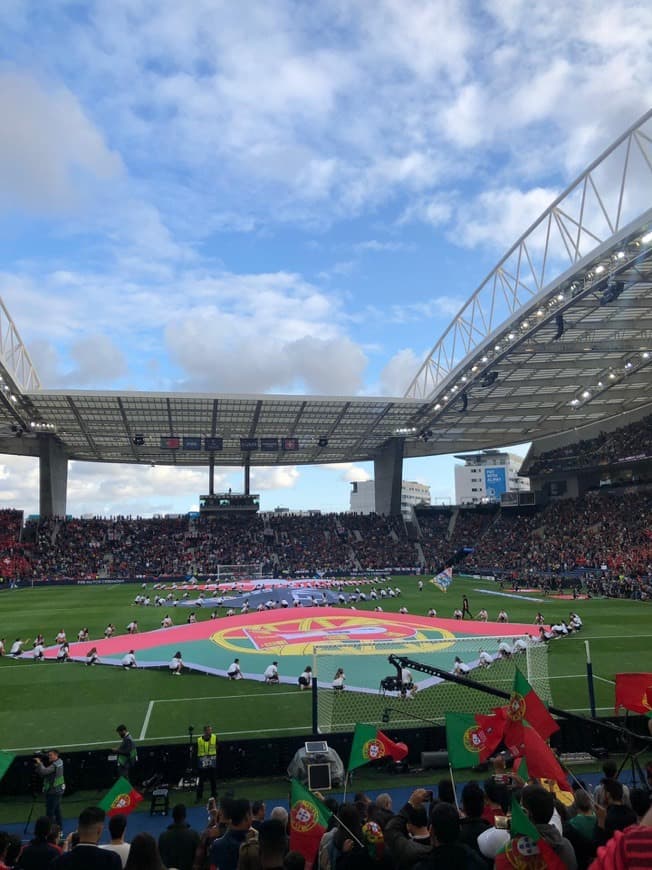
[289, 443]
[316, 746]
[212, 443]
[191, 442]
[247, 444]
[170, 443]
[270, 445]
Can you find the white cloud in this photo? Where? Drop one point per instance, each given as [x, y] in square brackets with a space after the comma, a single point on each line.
[265, 478]
[347, 471]
[51, 153]
[399, 371]
[498, 217]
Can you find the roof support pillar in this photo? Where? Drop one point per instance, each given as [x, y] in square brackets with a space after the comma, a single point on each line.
[388, 478]
[53, 477]
[211, 474]
[247, 474]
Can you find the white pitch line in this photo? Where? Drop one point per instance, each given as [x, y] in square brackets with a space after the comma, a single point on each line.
[167, 737]
[225, 697]
[143, 730]
[604, 679]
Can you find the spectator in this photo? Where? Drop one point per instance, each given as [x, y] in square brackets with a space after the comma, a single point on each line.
[225, 851]
[117, 828]
[38, 853]
[448, 852]
[539, 805]
[144, 854]
[86, 854]
[472, 824]
[179, 842]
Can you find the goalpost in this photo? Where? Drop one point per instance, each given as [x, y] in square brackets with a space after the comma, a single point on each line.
[367, 698]
[250, 571]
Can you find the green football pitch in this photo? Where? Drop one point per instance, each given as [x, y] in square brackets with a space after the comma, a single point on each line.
[76, 707]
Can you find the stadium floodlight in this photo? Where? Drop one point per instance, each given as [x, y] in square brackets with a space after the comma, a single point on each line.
[647, 238]
[645, 354]
[586, 394]
[599, 269]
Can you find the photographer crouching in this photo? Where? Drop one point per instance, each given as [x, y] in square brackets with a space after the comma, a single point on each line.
[53, 784]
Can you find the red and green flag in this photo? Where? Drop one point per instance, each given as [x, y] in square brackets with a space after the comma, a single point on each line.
[524, 741]
[121, 799]
[524, 703]
[308, 822]
[370, 744]
[6, 759]
[526, 848]
[633, 692]
[470, 739]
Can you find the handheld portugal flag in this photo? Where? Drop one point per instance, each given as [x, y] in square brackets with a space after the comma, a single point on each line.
[122, 798]
[308, 822]
[370, 744]
[6, 759]
[633, 692]
[444, 579]
[470, 739]
[523, 741]
[526, 847]
[524, 703]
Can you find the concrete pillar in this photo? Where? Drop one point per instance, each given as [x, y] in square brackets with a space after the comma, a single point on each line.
[247, 474]
[211, 475]
[388, 478]
[53, 477]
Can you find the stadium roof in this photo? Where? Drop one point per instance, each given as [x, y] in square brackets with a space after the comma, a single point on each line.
[557, 337]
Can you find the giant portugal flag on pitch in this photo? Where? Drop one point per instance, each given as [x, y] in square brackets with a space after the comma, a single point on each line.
[470, 739]
[370, 744]
[5, 762]
[122, 798]
[526, 848]
[632, 692]
[308, 822]
[524, 703]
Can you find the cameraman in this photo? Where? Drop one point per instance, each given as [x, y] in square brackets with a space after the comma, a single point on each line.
[53, 784]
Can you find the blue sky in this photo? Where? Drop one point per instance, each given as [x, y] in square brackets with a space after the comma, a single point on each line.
[280, 197]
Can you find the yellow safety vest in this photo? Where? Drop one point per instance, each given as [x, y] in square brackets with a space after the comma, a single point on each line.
[206, 747]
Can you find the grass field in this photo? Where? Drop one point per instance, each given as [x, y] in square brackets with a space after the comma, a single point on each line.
[78, 707]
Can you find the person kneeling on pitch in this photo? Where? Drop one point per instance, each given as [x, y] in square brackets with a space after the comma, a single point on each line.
[176, 664]
[234, 672]
[271, 674]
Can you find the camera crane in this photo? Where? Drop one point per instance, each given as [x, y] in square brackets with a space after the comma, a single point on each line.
[628, 737]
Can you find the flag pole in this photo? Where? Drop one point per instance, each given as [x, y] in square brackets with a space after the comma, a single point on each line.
[450, 768]
[589, 678]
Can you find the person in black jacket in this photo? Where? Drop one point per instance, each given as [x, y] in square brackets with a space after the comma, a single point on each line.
[448, 852]
[38, 853]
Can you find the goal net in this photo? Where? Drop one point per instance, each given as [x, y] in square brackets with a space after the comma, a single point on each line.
[370, 697]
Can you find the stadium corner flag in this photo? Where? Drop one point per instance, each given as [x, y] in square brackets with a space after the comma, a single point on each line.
[370, 744]
[6, 759]
[308, 822]
[122, 798]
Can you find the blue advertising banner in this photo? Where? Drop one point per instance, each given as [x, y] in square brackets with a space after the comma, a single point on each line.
[495, 481]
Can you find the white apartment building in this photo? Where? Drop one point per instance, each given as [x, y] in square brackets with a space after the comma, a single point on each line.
[363, 499]
[485, 476]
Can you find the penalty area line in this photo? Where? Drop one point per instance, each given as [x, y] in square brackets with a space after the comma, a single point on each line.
[143, 730]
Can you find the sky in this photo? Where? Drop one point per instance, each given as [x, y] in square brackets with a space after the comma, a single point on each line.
[282, 197]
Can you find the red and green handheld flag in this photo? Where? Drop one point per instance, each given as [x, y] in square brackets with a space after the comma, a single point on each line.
[470, 739]
[122, 798]
[526, 848]
[308, 822]
[632, 692]
[524, 703]
[370, 744]
[521, 740]
[6, 758]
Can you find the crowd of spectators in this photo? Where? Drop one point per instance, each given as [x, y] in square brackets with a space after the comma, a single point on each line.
[610, 828]
[605, 535]
[629, 443]
[603, 540]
